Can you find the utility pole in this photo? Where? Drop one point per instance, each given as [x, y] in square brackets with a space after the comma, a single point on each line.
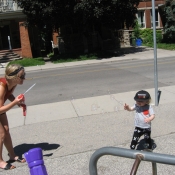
[155, 53]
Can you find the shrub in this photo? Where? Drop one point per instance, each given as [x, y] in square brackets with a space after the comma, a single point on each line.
[147, 36]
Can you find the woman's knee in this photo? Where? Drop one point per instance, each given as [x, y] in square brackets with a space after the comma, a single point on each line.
[2, 135]
[6, 129]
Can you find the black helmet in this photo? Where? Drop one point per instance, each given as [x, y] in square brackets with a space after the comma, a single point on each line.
[142, 96]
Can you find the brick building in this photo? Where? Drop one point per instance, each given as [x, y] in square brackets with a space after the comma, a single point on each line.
[24, 41]
[13, 36]
[144, 14]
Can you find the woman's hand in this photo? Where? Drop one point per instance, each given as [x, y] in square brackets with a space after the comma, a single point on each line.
[19, 99]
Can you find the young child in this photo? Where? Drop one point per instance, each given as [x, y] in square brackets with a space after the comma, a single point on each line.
[143, 116]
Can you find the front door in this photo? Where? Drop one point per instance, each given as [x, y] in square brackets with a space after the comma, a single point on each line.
[4, 33]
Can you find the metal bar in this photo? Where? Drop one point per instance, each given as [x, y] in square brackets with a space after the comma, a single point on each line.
[121, 152]
[155, 53]
[154, 165]
[154, 168]
[139, 158]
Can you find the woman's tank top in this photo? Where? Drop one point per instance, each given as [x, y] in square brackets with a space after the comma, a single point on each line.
[3, 82]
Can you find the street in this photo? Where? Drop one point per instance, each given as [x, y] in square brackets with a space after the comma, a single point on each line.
[62, 84]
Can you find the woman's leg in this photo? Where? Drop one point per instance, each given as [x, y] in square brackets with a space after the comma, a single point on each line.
[2, 138]
[7, 140]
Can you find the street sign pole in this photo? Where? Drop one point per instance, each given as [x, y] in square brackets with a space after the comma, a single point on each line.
[155, 53]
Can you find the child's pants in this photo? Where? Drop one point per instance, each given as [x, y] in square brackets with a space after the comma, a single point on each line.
[138, 132]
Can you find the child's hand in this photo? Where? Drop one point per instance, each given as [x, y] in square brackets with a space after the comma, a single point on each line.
[126, 107]
[146, 120]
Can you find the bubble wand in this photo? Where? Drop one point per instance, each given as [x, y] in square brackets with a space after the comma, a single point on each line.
[23, 99]
[29, 89]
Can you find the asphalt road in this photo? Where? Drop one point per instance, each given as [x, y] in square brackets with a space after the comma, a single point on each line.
[77, 82]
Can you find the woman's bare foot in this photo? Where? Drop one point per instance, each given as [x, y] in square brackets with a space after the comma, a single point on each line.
[17, 159]
[6, 166]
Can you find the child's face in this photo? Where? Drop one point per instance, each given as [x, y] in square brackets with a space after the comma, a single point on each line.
[141, 103]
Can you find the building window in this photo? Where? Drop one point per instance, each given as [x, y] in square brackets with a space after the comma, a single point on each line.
[141, 18]
[156, 18]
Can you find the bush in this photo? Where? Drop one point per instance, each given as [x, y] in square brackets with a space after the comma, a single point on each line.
[147, 36]
[137, 30]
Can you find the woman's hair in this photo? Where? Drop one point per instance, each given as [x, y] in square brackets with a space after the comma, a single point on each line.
[12, 71]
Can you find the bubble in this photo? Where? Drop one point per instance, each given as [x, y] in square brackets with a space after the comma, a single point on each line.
[116, 109]
[108, 114]
[112, 97]
[94, 107]
[121, 102]
[80, 118]
[130, 134]
[102, 112]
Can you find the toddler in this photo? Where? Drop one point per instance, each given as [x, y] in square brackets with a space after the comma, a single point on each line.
[144, 114]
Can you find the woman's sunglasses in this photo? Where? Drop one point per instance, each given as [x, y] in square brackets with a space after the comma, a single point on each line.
[22, 77]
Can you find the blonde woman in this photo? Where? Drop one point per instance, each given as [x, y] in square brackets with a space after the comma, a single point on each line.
[143, 116]
[14, 75]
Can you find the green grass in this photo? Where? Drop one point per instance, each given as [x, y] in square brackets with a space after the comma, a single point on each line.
[26, 62]
[81, 57]
[71, 58]
[161, 46]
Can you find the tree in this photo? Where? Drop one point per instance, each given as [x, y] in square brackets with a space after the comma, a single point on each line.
[169, 28]
[110, 13]
[56, 13]
[81, 15]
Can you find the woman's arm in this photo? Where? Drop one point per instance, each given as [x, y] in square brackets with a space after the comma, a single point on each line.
[5, 108]
[11, 97]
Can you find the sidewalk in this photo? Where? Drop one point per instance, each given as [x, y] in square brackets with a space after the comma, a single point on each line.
[138, 53]
[69, 132]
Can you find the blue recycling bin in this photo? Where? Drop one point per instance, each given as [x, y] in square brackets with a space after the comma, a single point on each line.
[138, 42]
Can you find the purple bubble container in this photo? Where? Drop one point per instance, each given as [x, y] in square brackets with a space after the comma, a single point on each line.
[34, 158]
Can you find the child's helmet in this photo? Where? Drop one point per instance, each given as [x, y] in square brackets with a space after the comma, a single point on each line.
[142, 96]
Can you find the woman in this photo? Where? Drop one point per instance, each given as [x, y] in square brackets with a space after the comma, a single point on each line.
[14, 75]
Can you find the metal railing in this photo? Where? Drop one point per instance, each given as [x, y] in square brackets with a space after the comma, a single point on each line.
[132, 154]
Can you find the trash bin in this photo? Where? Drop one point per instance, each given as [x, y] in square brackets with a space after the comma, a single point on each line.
[138, 42]
[55, 50]
[133, 41]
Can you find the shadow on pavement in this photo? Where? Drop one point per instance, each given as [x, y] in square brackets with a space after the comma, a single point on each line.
[99, 55]
[21, 149]
[141, 145]
[120, 52]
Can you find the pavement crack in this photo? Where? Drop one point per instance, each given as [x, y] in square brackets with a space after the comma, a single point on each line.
[74, 108]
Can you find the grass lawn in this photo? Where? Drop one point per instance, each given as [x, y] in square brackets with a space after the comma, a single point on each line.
[161, 46]
[26, 62]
